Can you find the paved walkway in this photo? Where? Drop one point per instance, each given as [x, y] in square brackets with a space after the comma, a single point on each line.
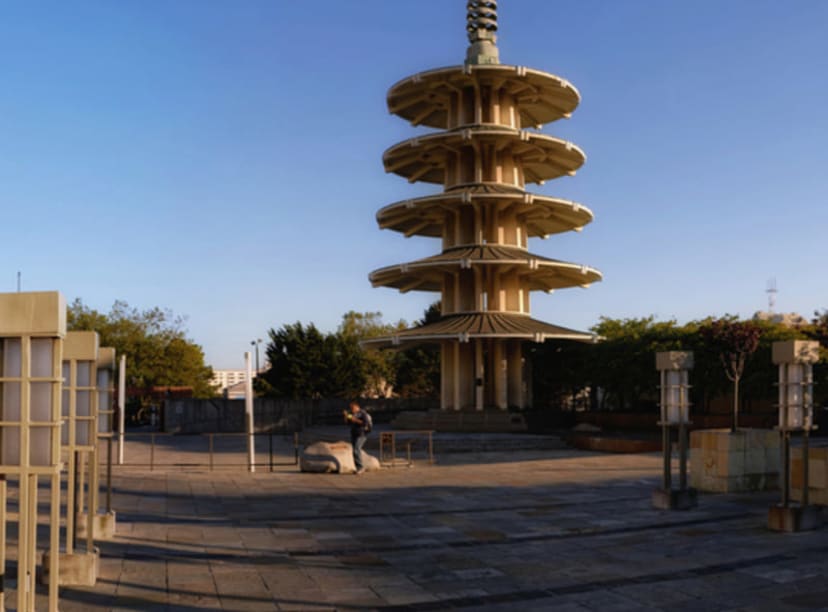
[542, 530]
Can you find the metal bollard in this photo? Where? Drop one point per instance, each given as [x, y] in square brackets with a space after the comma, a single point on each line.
[210, 444]
[152, 452]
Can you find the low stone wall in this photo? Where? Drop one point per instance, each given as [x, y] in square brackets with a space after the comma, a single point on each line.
[220, 415]
[496, 421]
[642, 421]
[817, 475]
[722, 461]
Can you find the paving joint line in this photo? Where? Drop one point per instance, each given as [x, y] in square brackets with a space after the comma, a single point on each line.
[587, 587]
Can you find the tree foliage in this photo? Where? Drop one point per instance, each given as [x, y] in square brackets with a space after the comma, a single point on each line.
[305, 363]
[619, 370]
[418, 367]
[734, 342]
[154, 342]
[377, 368]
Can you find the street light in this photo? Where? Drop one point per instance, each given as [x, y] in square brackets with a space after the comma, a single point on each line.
[795, 359]
[256, 344]
[675, 412]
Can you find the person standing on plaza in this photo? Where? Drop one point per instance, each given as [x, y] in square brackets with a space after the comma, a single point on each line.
[357, 419]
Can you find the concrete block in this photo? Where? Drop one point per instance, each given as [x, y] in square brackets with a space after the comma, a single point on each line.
[796, 473]
[75, 569]
[793, 518]
[695, 440]
[709, 439]
[725, 461]
[735, 441]
[817, 473]
[773, 460]
[795, 351]
[674, 500]
[103, 526]
[755, 461]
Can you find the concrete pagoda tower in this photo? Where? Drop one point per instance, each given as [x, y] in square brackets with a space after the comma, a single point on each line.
[483, 156]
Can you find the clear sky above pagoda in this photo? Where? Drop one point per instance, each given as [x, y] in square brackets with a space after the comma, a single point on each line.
[223, 159]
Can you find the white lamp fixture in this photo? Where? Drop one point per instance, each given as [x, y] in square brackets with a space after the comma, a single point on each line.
[673, 367]
[795, 359]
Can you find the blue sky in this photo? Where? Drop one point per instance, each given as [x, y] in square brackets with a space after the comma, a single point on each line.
[223, 159]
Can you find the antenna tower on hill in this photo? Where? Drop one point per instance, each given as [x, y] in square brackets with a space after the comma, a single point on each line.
[771, 291]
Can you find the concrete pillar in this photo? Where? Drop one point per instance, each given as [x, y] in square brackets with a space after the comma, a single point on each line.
[515, 374]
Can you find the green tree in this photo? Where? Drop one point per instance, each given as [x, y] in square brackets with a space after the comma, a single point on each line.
[378, 368]
[734, 342]
[154, 342]
[623, 361]
[299, 362]
[418, 367]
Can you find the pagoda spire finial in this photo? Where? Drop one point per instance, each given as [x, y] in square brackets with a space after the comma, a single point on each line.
[481, 25]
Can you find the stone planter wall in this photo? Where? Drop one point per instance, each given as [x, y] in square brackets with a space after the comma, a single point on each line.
[722, 461]
[817, 475]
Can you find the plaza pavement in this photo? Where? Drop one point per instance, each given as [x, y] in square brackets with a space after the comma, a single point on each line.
[559, 530]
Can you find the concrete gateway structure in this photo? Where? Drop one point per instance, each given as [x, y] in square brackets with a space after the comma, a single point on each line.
[483, 156]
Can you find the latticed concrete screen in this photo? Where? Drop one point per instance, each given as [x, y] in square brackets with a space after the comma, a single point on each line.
[32, 328]
[483, 155]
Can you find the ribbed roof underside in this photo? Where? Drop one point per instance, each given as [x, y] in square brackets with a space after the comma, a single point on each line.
[425, 158]
[423, 99]
[542, 273]
[426, 216]
[464, 327]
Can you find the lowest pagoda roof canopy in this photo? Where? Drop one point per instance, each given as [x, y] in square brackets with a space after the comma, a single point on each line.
[466, 326]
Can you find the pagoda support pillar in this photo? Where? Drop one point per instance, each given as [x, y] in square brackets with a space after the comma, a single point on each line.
[479, 374]
[500, 380]
[446, 375]
[515, 373]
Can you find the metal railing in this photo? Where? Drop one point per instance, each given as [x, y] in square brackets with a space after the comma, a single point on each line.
[210, 443]
[390, 440]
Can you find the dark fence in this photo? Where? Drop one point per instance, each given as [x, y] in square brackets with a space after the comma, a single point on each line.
[272, 415]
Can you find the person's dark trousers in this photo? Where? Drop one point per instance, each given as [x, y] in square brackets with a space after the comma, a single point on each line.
[358, 442]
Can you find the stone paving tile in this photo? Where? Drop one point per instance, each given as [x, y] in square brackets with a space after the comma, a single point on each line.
[557, 530]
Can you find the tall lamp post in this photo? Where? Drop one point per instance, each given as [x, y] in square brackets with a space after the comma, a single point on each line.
[673, 367]
[256, 343]
[795, 359]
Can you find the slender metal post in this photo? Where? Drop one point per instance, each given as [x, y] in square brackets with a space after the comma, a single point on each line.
[82, 467]
[248, 411]
[54, 543]
[152, 451]
[23, 544]
[75, 502]
[109, 475]
[786, 483]
[121, 408]
[210, 443]
[667, 451]
[430, 448]
[682, 456]
[296, 447]
[805, 466]
[3, 498]
[92, 500]
[270, 443]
